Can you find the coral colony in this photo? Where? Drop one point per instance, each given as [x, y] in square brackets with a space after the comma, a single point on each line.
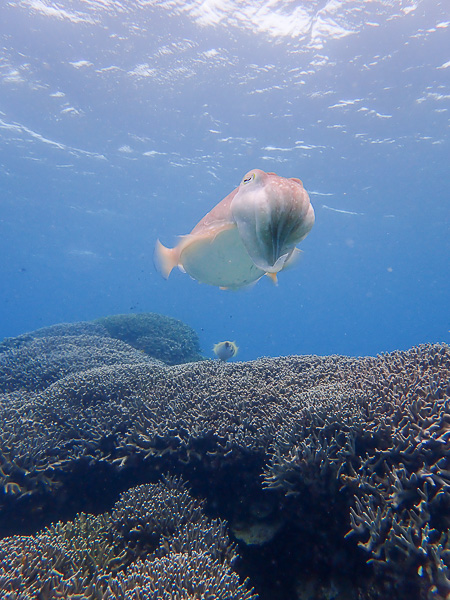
[129, 472]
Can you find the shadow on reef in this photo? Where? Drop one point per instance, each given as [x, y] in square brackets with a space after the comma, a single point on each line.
[331, 475]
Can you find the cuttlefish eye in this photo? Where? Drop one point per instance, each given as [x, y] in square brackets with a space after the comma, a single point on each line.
[248, 178]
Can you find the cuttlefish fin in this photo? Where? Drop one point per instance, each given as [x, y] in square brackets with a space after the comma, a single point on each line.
[166, 258]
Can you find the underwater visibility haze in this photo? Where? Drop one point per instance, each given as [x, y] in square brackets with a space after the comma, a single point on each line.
[164, 438]
[125, 122]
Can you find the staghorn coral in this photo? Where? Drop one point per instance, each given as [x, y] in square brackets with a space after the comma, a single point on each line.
[34, 360]
[164, 518]
[402, 502]
[38, 363]
[341, 444]
[162, 337]
[28, 567]
[87, 558]
[143, 412]
[182, 576]
[61, 329]
[88, 544]
[148, 509]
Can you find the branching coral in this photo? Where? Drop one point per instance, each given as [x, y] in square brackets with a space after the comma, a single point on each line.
[89, 557]
[162, 337]
[182, 576]
[61, 329]
[402, 500]
[359, 444]
[36, 364]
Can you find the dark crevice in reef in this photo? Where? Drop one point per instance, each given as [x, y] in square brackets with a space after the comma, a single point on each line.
[94, 486]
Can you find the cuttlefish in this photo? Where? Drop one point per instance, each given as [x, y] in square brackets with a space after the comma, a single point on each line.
[252, 232]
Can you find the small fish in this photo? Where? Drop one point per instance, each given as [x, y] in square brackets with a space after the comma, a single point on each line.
[225, 350]
[252, 232]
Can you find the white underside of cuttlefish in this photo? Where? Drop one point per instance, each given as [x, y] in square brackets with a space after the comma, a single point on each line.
[252, 232]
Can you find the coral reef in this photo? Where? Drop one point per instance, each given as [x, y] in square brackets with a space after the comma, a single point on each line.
[37, 363]
[402, 502]
[61, 329]
[334, 466]
[164, 338]
[388, 447]
[155, 544]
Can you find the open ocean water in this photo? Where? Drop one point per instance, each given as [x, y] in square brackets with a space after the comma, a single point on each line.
[124, 122]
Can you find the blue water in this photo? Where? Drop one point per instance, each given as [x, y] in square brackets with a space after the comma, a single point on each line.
[124, 122]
